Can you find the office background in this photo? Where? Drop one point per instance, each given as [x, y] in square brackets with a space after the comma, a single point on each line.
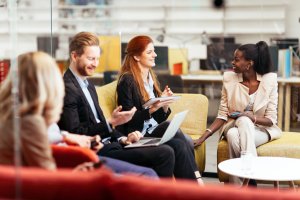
[176, 23]
[191, 36]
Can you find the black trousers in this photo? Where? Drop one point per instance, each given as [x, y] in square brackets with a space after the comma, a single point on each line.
[160, 158]
[185, 165]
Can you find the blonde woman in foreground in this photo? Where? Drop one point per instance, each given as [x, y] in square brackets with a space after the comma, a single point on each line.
[40, 102]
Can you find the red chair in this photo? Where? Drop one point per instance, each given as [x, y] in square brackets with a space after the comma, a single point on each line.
[102, 184]
[71, 156]
[47, 185]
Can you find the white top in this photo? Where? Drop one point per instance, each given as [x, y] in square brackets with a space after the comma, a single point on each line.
[251, 102]
[54, 135]
[151, 124]
[264, 168]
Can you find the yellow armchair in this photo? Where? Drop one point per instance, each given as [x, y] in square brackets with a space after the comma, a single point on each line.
[195, 121]
[107, 98]
[194, 124]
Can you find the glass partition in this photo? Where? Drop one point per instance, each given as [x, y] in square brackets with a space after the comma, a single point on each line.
[21, 23]
[13, 68]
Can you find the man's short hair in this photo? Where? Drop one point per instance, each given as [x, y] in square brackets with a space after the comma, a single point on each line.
[82, 40]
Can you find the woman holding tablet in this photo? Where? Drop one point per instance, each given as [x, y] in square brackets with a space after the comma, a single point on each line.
[247, 115]
[136, 85]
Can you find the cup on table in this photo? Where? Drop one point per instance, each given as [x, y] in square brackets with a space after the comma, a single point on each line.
[246, 162]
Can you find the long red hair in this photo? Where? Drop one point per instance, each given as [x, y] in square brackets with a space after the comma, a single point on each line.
[135, 47]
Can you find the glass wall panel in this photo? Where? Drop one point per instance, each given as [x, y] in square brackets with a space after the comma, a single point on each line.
[22, 22]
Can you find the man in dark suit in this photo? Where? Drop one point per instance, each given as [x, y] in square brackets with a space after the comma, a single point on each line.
[83, 115]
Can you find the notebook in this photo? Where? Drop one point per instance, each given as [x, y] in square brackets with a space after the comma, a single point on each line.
[168, 135]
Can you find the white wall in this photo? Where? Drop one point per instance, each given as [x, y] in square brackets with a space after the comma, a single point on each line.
[293, 19]
[185, 33]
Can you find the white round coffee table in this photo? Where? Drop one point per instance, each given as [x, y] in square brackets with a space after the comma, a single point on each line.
[264, 168]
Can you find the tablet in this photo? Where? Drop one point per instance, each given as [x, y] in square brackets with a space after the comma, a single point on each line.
[154, 100]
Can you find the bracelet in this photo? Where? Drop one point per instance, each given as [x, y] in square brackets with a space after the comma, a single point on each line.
[209, 130]
[64, 134]
[197, 174]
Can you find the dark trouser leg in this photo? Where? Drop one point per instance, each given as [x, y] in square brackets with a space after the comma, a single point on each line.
[121, 167]
[185, 165]
[161, 129]
[189, 141]
[160, 158]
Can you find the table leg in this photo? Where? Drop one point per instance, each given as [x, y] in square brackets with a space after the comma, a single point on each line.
[287, 108]
[276, 185]
[292, 185]
[280, 105]
[245, 182]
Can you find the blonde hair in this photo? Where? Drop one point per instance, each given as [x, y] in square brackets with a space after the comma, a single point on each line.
[41, 88]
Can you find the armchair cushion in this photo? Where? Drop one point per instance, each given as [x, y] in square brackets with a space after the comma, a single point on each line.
[195, 121]
[102, 184]
[62, 184]
[71, 156]
[107, 98]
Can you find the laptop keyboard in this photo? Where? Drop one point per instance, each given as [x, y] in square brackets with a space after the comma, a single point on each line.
[153, 141]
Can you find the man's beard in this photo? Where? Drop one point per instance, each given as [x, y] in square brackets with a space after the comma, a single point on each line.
[83, 71]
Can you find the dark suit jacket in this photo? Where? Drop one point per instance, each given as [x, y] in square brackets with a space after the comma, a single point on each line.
[77, 116]
[130, 96]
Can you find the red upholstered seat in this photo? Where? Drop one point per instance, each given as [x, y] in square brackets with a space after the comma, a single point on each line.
[71, 156]
[62, 184]
[102, 184]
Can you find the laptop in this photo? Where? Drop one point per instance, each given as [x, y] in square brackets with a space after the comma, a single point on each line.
[168, 135]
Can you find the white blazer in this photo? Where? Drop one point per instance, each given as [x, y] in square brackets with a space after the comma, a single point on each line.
[235, 97]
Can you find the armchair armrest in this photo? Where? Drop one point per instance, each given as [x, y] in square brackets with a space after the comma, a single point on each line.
[195, 121]
[71, 156]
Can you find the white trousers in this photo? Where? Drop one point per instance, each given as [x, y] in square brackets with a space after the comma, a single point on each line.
[245, 136]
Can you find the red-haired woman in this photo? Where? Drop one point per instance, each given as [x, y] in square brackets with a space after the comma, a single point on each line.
[137, 84]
